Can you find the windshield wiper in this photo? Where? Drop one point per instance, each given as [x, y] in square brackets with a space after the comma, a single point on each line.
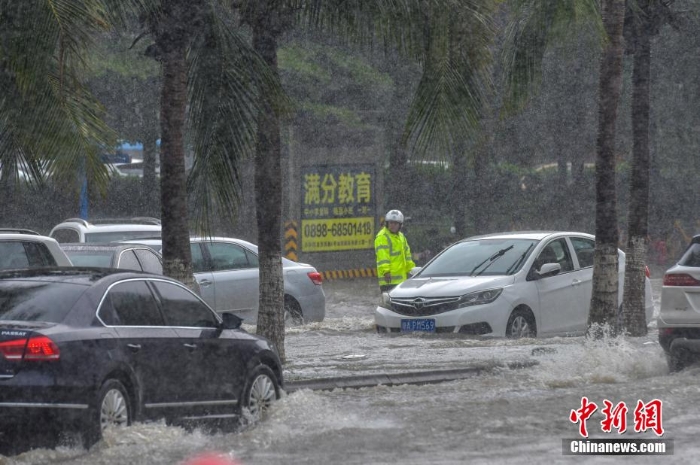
[491, 259]
[517, 262]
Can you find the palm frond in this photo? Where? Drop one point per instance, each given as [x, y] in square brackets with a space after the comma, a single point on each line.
[535, 25]
[227, 84]
[447, 106]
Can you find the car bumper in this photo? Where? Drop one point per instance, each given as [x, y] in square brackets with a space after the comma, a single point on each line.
[483, 320]
[313, 306]
[25, 398]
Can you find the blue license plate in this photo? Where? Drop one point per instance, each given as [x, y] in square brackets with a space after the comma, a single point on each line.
[419, 324]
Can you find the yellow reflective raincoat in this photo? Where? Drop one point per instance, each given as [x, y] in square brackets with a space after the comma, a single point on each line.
[393, 256]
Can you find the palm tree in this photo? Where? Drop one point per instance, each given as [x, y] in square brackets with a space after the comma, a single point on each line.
[643, 21]
[604, 305]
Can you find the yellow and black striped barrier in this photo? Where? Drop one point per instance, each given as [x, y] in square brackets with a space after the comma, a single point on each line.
[290, 240]
[344, 274]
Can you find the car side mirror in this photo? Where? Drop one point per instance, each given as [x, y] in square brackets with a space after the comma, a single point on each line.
[549, 269]
[231, 321]
[414, 271]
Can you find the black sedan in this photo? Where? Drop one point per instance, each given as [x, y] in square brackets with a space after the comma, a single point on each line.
[86, 348]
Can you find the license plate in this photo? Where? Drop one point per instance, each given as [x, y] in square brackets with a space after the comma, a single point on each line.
[420, 324]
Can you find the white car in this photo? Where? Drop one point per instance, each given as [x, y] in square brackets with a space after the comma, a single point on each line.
[679, 316]
[23, 248]
[521, 284]
[228, 276]
[75, 230]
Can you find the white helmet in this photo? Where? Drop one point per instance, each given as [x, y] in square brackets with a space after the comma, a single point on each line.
[394, 215]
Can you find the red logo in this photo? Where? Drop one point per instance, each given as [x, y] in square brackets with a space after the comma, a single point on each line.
[646, 416]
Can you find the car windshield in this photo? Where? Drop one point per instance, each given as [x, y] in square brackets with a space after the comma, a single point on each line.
[490, 257]
[119, 235]
[37, 300]
[101, 259]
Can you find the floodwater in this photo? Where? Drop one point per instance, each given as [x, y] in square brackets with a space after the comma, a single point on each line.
[500, 416]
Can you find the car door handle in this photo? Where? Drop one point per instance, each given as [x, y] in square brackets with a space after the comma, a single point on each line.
[134, 347]
[205, 283]
[575, 282]
[191, 347]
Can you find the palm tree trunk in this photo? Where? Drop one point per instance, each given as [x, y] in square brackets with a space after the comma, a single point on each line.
[605, 282]
[633, 314]
[177, 258]
[268, 199]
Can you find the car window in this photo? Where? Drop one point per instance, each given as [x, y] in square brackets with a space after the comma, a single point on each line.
[39, 255]
[23, 300]
[252, 259]
[555, 252]
[226, 256]
[64, 236]
[130, 304]
[584, 250]
[114, 236]
[12, 255]
[150, 262]
[102, 259]
[691, 257]
[182, 308]
[128, 261]
[198, 263]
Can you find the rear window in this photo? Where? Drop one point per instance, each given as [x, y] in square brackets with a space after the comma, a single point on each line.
[691, 257]
[22, 300]
[90, 258]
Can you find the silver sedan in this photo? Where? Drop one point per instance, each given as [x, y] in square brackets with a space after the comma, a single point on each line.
[228, 276]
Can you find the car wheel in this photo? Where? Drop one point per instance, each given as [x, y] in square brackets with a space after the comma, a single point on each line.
[112, 408]
[521, 324]
[292, 313]
[677, 360]
[261, 391]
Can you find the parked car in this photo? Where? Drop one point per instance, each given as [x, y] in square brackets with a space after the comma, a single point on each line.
[521, 284]
[24, 248]
[123, 256]
[84, 349]
[228, 276]
[679, 316]
[105, 230]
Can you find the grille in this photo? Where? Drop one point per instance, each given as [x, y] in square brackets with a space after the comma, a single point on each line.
[423, 306]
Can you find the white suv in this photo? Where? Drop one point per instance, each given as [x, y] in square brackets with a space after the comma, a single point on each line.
[679, 315]
[23, 248]
[106, 230]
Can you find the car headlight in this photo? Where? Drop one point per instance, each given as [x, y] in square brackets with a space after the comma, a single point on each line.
[386, 300]
[480, 297]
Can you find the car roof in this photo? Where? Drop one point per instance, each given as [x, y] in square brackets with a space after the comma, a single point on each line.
[18, 231]
[533, 235]
[27, 237]
[77, 274]
[115, 246]
[112, 224]
[159, 241]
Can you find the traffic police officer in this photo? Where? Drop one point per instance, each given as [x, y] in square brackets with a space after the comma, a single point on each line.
[394, 259]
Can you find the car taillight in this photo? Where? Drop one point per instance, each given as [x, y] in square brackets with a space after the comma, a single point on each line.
[316, 277]
[37, 348]
[680, 280]
[647, 272]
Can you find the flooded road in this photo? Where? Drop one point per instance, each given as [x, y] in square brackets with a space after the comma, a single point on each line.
[501, 416]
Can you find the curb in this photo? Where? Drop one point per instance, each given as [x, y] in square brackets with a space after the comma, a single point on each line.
[384, 379]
